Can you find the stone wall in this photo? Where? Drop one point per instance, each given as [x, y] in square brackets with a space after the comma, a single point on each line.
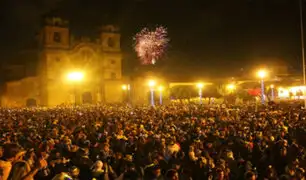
[18, 92]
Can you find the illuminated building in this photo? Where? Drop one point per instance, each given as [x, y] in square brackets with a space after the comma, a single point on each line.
[59, 54]
[294, 92]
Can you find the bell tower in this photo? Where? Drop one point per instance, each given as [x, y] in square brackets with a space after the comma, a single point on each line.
[111, 63]
[110, 45]
[110, 38]
[54, 34]
[54, 46]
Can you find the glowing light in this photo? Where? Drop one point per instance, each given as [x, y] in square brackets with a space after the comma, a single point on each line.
[160, 88]
[262, 73]
[151, 83]
[231, 87]
[151, 45]
[290, 92]
[75, 76]
[200, 85]
[271, 86]
[283, 93]
[124, 87]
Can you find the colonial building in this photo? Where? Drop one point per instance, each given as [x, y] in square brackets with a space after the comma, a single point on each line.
[58, 54]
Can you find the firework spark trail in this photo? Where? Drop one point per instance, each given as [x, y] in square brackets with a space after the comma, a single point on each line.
[151, 45]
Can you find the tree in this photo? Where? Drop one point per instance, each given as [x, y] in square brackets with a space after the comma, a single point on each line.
[229, 96]
[244, 95]
[183, 92]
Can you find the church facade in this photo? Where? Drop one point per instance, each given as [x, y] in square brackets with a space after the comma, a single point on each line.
[58, 55]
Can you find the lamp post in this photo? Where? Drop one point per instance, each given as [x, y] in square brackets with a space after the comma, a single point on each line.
[160, 89]
[152, 84]
[262, 74]
[200, 87]
[231, 88]
[303, 51]
[75, 77]
[256, 104]
[272, 92]
[126, 89]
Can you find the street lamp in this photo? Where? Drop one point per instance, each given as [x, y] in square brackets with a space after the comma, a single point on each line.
[200, 87]
[126, 88]
[303, 50]
[262, 74]
[160, 89]
[152, 84]
[272, 92]
[75, 77]
[231, 87]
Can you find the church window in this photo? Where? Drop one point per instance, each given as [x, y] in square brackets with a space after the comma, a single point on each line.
[111, 42]
[57, 37]
[113, 75]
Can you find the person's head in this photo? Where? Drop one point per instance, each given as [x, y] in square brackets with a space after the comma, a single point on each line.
[211, 163]
[157, 171]
[220, 174]
[250, 175]
[74, 171]
[62, 176]
[119, 155]
[106, 147]
[121, 132]
[283, 151]
[203, 161]
[128, 158]
[171, 142]
[12, 152]
[230, 155]
[172, 175]
[19, 170]
[191, 148]
[155, 160]
[98, 165]
[300, 173]
[209, 145]
[176, 165]
[291, 170]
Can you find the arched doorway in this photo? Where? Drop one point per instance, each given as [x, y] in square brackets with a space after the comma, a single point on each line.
[31, 102]
[87, 98]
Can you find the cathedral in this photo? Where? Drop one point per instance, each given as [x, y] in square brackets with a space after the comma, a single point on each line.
[58, 54]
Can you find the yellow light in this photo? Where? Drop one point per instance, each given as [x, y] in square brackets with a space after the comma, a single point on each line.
[262, 73]
[160, 88]
[272, 86]
[200, 85]
[124, 87]
[231, 87]
[283, 93]
[152, 83]
[75, 76]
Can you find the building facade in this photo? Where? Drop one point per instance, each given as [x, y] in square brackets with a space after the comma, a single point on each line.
[58, 55]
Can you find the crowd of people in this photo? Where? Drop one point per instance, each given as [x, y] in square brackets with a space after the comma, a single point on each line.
[173, 142]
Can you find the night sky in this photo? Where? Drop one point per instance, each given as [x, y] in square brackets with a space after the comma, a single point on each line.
[211, 36]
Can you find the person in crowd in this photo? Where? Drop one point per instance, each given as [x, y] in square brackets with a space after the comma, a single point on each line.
[171, 142]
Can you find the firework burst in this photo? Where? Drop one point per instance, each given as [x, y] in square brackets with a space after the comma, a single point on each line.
[151, 45]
